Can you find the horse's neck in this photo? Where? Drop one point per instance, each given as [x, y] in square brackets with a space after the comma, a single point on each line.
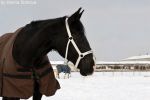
[30, 47]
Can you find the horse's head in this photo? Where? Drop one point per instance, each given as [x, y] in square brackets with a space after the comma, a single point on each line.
[73, 44]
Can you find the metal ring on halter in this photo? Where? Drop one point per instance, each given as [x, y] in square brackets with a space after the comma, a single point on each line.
[71, 40]
[81, 56]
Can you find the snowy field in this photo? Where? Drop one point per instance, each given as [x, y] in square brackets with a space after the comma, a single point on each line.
[104, 86]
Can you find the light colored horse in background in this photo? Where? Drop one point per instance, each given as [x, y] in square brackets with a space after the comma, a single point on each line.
[62, 68]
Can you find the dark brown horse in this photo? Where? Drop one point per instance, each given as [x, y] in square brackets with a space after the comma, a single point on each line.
[35, 40]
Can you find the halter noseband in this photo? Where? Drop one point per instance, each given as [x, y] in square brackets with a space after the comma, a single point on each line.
[70, 39]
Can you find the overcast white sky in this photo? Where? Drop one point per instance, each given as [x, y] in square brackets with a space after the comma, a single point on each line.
[116, 29]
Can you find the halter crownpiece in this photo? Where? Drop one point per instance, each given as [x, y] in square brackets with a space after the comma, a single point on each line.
[70, 39]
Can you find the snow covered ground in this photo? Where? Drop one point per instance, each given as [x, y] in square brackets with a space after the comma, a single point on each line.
[104, 86]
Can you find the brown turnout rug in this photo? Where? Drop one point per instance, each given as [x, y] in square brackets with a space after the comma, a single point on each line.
[17, 81]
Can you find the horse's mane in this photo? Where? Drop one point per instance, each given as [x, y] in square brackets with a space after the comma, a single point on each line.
[34, 26]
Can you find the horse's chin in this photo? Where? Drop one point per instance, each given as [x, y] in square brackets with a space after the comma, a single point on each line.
[86, 67]
[86, 73]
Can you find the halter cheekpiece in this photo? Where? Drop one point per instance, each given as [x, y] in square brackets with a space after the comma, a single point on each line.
[71, 40]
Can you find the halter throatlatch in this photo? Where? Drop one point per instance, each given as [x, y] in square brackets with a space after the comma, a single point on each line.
[70, 39]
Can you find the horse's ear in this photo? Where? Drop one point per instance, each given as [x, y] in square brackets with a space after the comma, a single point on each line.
[80, 14]
[77, 15]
